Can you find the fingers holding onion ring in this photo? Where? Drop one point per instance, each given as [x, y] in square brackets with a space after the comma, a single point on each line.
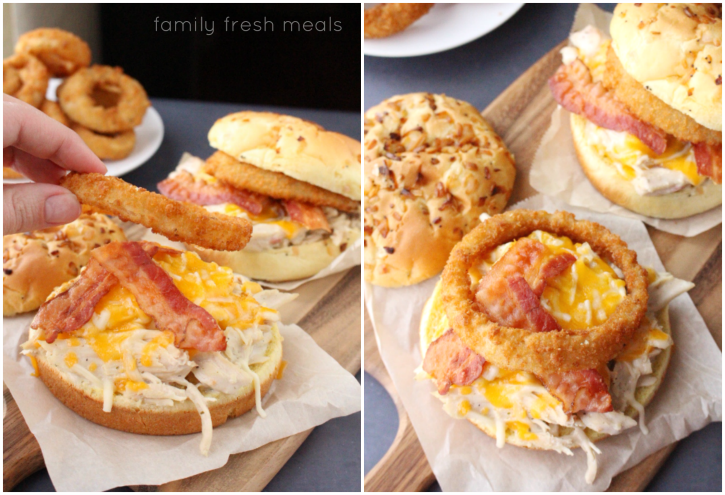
[177, 220]
[26, 78]
[541, 352]
[389, 18]
[107, 146]
[62, 52]
[103, 99]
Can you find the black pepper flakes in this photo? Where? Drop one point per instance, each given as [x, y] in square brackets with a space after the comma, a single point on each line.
[7, 271]
[437, 220]
[389, 250]
[718, 81]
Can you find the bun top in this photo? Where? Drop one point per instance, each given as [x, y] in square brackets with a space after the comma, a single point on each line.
[297, 148]
[674, 51]
[433, 165]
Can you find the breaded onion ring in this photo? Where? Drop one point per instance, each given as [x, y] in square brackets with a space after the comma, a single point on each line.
[107, 146]
[245, 176]
[179, 221]
[26, 78]
[53, 110]
[76, 98]
[62, 52]
[651, 109]
[389, 18]
[556, 351]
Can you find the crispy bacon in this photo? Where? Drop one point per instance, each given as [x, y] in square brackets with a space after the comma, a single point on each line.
[579, 391]
[158, 297]
[71, 310]
[310, 216]
[450, 362]
[183, 187]
[509, 292]
[709, 160]
[574, 89]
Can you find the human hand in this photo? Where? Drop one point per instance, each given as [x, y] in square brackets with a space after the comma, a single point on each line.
[42, 150]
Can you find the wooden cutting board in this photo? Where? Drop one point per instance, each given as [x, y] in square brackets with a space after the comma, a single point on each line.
[328, 309]
[521, 115]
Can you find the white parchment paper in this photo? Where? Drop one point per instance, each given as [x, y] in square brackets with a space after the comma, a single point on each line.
[465, 459]
[555, 170]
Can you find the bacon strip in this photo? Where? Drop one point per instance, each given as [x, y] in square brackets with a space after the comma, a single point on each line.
[574, 89]
[183, 187]
[450, 362]
[158, 297]
[709, 160]
[310, 216]
[550, 268]
[529, 312]
[71, 310]
[583, 390]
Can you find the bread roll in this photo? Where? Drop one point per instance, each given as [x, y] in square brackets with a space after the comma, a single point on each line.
[35, 263]
[433, 165]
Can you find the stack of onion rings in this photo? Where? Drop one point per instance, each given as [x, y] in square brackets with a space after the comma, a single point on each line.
[26, 78]
[75, 96]
[63, 53]
[541, 352]
[107, 146]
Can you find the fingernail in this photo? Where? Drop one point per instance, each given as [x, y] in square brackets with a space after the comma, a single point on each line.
[62, 208]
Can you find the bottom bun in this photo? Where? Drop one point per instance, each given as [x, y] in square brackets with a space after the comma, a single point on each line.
[180, 419]
[279, 265]
[607, 180]
[434, 323]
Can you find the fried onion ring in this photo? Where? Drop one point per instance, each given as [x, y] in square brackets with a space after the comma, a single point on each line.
[541, 353]
[178, 221]
[651, 109]
[389, 18]
[53, 110]
[77, 98]
[26, 78]
[107, 146]
[245, 176]
[62, 52]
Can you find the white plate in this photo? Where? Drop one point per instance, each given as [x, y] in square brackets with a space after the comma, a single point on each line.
[148, 139]
[446, 26]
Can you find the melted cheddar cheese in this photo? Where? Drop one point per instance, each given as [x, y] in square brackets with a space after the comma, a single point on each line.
[269, 216]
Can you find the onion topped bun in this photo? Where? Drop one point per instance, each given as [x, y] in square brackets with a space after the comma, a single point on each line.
[433, 165]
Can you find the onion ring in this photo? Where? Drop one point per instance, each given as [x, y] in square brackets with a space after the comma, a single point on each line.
[275, 184]
[76, 98]
[541, 352]
[389, 18]
[107, 146]
[178, 221]
[26, 78]
[53, 110]
[62, 52]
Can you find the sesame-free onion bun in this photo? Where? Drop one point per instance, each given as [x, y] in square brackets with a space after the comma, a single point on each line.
[433, 165]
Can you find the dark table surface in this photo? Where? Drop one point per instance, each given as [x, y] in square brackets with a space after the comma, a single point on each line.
[329, 460]
[477, 73]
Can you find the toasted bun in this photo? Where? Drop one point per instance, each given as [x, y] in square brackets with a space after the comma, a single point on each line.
[605, 178]
[297, 148]
[434, 322]
[182, 418]
[34, 264]
[433, 165]
[675, 51]
[279, 265]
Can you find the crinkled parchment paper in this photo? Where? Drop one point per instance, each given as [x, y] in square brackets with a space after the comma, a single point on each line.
[556, 172]
[465, 459]
[83, 456]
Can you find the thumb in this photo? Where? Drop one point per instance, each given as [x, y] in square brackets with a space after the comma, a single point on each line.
[28, 207]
